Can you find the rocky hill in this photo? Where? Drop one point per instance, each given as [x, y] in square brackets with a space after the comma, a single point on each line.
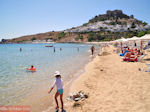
[114, 21]
[105, 27]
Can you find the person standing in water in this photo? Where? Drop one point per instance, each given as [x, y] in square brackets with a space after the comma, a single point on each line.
[78, 49]
[54, 50]
[59, 84]
[20, 49]
[92, 49]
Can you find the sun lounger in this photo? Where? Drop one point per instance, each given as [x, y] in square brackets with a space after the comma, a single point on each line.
[148, 65]
[140, 58]
[130, 59]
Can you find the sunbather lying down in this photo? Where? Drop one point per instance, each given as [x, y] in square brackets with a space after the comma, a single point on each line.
[132, 55]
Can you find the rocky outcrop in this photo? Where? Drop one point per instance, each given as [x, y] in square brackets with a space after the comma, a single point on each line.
[114, 21]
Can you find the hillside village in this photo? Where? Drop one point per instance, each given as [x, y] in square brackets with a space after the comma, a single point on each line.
[114, 21]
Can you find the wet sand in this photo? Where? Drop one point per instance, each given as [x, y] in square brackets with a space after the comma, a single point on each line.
[113, 86]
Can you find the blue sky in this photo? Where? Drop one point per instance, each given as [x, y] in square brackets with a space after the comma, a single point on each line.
[24, 17]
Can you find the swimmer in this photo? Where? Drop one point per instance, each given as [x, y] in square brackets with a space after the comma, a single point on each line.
[54, 50]
[32, 68]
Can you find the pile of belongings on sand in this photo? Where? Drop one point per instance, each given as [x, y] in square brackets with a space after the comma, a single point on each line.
[78, 96]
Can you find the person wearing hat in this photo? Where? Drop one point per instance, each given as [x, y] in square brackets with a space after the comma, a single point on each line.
[59, 84]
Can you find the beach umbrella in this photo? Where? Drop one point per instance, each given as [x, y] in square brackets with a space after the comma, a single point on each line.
[133, 38]
[148, 42]
[123, 39]
[146, 37]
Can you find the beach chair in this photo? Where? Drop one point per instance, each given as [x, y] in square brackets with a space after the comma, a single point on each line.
[130, 59]
[122, 54]
[140, 58]
[148, 65]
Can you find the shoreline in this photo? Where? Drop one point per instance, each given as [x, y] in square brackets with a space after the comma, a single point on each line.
[59, 42]
[68, 85]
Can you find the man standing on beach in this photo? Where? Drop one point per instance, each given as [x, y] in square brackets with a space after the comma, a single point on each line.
[92, 49]
[141, 45]
[135, 44]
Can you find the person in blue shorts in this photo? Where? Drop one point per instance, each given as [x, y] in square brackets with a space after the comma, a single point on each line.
[59, 84]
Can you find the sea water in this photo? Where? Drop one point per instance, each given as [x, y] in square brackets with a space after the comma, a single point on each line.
[16, 83]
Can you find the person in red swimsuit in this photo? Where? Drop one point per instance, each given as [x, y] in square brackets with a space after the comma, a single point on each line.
[32, 68]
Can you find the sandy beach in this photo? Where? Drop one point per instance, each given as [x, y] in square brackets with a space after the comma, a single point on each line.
[112, 85]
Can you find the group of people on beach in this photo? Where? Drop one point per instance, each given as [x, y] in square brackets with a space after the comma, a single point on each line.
[131, 53]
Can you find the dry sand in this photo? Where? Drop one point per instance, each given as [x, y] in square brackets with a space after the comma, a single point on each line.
[113, 86]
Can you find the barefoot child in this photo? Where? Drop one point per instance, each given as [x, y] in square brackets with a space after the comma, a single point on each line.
[59, 83]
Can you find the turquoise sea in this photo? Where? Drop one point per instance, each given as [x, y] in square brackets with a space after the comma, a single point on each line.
[16, 83]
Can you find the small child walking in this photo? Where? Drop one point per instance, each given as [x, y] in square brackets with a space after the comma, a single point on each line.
[59, 83]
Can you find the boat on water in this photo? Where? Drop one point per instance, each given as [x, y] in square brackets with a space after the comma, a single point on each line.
[48, 45]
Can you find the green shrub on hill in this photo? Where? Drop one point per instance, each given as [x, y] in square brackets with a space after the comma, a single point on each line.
[81, 37]
[61, 35]
[91, 36]
[85, 24]
[144, 23]
[140, 34]
[148, 32]
[95, 36]
[112, 23]
[77, 38]
[107, 39]
[34, 38]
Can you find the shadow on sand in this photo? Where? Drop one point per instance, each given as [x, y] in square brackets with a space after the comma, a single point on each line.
[148, 59]
[60, 111]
